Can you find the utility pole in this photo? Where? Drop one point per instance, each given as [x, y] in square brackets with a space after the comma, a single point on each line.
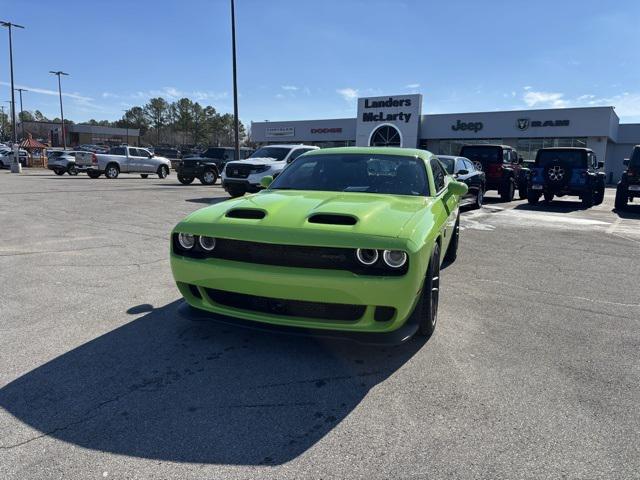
[3, 124]
[15, 165]
[21, 110]
[124, 117]
[236, 127]
[64, 137]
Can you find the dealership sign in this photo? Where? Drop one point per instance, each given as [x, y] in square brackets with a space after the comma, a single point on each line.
[326, 130]
[394, 119]
[376, 110]
[525, 123]
[280, 131]
[471, 126]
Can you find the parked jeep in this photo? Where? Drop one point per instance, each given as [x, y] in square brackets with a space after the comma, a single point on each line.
[207, 166]
[629, 186]
[502, 167]
[567, 171]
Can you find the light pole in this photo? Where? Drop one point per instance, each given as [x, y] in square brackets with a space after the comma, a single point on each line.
[236, 128]
[126, 119]
[15, 165]
[58, 73]
[3, 124]
[20, 90]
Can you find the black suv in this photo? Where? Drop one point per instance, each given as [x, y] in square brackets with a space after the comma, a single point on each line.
[502, 167]
[629, 186]
[567, 171]
[207, 166]
[173, 154]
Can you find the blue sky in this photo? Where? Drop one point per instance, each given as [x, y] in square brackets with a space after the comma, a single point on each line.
[311, 59]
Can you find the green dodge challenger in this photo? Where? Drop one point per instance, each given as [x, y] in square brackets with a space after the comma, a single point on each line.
[344, 242]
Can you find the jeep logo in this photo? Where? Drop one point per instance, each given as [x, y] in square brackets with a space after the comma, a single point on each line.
[471, 126]
[523, 123]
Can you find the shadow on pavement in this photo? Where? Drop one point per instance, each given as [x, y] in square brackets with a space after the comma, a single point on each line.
[631, 211]
[207, 200]
[559, 206]
[165, 388]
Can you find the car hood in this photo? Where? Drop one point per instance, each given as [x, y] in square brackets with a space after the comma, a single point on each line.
[257, 161]
[287, 216]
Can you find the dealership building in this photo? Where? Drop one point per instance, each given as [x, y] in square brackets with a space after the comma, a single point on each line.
[398, 121]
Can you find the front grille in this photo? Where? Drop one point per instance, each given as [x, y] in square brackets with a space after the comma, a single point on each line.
[330, 258]
[287, 308]
[235, 170]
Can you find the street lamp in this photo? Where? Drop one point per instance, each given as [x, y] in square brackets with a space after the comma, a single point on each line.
[236, 127]
[21, 110]
[15, 165]
[3, 125]
[58, 73]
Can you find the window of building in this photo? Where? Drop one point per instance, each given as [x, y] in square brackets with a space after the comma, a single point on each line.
[528, 147]
[385, 136]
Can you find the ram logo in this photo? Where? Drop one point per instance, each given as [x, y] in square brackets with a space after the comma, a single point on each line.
[523, 123]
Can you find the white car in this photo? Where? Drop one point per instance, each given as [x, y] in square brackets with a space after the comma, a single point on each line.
[123, 159]
[6, 157]
[244, 176]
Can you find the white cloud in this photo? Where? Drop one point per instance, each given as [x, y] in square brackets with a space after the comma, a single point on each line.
[279, 95]
[109, 95]
[173, 93]
[412, 86]
[45, 91]
[527, 87]
[349, 94]
[544, 99]
[291, 88]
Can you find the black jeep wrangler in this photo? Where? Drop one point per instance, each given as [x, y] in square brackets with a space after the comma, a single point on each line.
[207, 166]
[567, 171]
[629, 186]
[502, 167]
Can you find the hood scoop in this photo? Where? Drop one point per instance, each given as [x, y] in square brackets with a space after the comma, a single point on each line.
[248, 213]
[332, 219]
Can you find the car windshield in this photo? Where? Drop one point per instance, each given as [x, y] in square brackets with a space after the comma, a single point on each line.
[448, 164]
[54, 155]
[369, 173]
[484, 155]
[571, 158]
[217, 153]
[277, 153]
[635, 158]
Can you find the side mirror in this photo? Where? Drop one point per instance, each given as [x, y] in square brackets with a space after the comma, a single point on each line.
[458, 188]
[625, 162]
[266, 181]
[462, 172]
[600, 164]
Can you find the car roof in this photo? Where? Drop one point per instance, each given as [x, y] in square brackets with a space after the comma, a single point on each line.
[452, 157]
[290, 145]
[487, 145]
[560, 149]
[405, 152]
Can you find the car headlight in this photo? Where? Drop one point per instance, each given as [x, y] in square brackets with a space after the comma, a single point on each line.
[394, 258]
[261, 168]
[186, 240]
[207, 243]
[367, 256]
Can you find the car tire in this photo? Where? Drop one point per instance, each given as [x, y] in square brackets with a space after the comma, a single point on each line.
[235, 191]
[208, 177]
[112, 171]
[622, 196]
[507, 191]
[599, 195]
[452, 250]
[163, 171]
[93, 174]
[548, 197]
[588, 198]
[72, 170]
[144, 175]
[185, 180]
[425, 313]
[479, 201]
[533, 197]
[523, 189]
[58, 171]
[1, 165]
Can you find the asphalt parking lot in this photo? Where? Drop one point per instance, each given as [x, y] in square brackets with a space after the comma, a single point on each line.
[533, 371]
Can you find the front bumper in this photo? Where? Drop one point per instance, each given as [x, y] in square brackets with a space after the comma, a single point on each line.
[245, 184]
[300, 284]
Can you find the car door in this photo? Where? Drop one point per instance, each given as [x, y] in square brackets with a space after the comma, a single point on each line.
[148, 163]
[462, 174]
[449, 202]
[132, 162]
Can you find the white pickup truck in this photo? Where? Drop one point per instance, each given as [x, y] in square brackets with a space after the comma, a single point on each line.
[122, 160]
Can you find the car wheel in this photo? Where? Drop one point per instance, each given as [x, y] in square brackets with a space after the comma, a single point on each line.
[599, 195]
[533, 197]
[235, 191]
[1, 164]
[185, 180]
[112, 171]
[93, 174]
[588, 199]
[208, 177]
[452, 250]
[548, 197]
[163, 171]
[72, 170]
[479, 198]
[58, 171]
[621, 198]
[507, 191]
[523, 188]
[144, 175]
[425, 312]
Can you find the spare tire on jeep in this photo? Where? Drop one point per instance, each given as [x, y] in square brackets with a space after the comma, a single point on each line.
[557, 174]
